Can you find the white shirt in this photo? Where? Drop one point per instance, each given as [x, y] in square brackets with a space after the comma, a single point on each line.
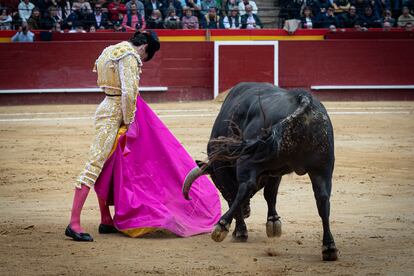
[98, 19]
[251, 23]
[242, 7]
[227, 20]
[25, 11]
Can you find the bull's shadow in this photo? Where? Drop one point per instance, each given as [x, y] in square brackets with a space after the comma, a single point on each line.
[261, 133]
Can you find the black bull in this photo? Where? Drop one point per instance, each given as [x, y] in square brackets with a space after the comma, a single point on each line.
[262, 133]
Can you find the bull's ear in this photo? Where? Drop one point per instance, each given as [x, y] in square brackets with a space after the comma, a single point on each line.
[200, 163]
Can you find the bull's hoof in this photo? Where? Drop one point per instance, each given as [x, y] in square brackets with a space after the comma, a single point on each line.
[220, 231]
[240, 236]
[273, 228]
[329, 253]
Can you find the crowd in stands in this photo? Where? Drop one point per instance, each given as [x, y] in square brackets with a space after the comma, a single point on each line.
[121, 15]
[359, 14]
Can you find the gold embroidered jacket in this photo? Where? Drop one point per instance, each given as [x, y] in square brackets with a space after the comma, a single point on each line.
[119, 67]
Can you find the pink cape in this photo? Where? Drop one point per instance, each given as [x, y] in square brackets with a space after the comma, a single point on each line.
[143, 179]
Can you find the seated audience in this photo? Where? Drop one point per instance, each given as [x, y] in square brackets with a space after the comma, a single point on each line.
[92, 29]
[98, 19]
[189, 20]
[176, 6]
[350, 19]
[386, 26]
[57, 28]
[84, 6]
[233, 20]
[369, 20]
[118, 27]
[155, 20]
[116, 9]
[250, 20]
[25, 10]
[321, 7]
[388, 18]
[78, 29]
[63, 8]
[151, 5]
[139, 4]
[327, 19]
[360, 6]
[35, 21]
[134, 20]
[244, 3]
[195, 6]
[405, 18]
[230, 5]
[49, 21]
[74, 18]
[23, 34]
[207, 4]
[409, 27]
[307, 20]
[172, 21]
[212, 20]
[5, 20]
[341, 7]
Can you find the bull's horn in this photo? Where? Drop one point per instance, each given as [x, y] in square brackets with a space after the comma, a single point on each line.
[189, 179]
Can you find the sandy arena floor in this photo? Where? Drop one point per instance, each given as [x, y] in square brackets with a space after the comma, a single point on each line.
[43, 149]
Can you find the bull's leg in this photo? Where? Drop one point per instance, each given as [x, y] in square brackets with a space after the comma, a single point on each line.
[322, 185]
[273, 224]
[240, 233]
[246, 176]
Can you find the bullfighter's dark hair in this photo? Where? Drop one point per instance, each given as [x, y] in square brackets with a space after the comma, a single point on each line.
[139, 39]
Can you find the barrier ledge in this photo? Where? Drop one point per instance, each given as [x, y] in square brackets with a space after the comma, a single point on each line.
[361, 87]
[76, 90]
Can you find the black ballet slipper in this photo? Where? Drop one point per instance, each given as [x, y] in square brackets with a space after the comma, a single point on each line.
[107, 229]
[84, 237]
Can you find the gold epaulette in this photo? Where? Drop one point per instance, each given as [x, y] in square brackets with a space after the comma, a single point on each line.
[122, 50]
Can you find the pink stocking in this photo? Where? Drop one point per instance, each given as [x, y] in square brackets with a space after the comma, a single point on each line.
[106, 217]
[78, 201]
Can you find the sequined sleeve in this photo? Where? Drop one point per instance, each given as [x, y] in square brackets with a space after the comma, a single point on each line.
[129, 77]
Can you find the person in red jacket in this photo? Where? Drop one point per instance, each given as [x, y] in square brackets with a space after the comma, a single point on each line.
[116, 8]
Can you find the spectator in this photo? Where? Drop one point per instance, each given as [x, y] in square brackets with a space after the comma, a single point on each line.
[321, 7]
[350, 19]
[57, 28]
[405, 18]
[23, 34]
[176, 6]
[139, 4]
[5, 20]
[291, 9]
[409, 27]
[328, 19]
[244, 3]
[230, 5]
[74, 18]
[155, 20]
[84, 7]
[233, 20]
[25, 10]
[250, 20]
[63, 9]
[115, 9]
[172, 21]
[194, 5]
[388, 18]
[341, 7]
[98, 19]
[360, 6]
[78, 29]
[152, 5]
[212, 19]
[189, 20]
[134, 20]
[386, 26]
[118, 27]
[35, 20]
[369, 20]
[207, 4]
[378, 6]
[92, 29]
[49, 21]
[307, 20]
